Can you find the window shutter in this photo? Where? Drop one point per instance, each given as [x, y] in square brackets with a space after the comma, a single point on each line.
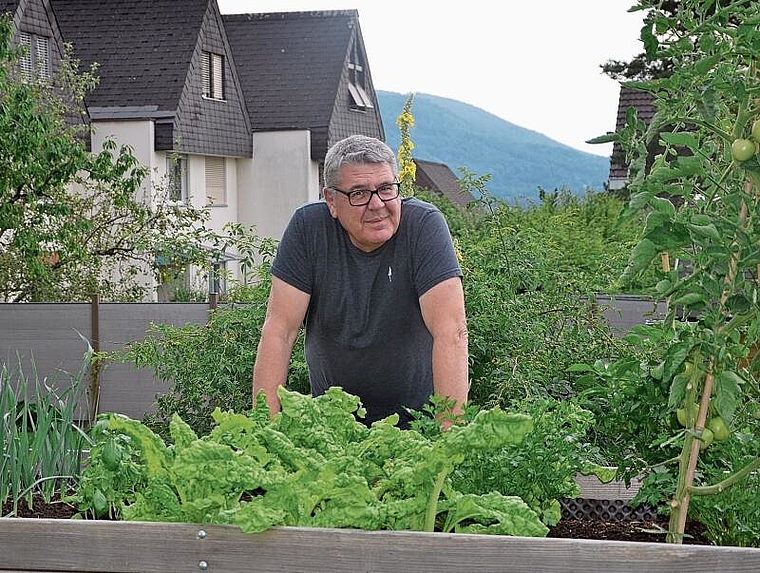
[25, 63]
[43, 57]
[218, 77]
[206, 73]
[216, 181]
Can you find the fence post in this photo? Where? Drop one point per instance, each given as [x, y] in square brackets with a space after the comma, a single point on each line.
[95, 367]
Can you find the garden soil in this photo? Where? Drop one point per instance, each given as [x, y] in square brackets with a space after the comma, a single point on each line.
[651, 531]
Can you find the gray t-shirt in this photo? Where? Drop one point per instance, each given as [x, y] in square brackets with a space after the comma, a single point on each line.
[364, 327]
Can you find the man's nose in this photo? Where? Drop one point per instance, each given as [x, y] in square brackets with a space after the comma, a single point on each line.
[375, 204]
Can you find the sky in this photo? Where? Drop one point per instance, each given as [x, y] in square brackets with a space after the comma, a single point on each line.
[534, 63]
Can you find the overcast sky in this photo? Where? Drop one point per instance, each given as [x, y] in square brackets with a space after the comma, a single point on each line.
[533, 63]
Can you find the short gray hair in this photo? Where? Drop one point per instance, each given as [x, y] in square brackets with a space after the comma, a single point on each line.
[356, 149]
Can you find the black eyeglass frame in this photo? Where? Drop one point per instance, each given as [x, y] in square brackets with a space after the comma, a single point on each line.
[372, 192]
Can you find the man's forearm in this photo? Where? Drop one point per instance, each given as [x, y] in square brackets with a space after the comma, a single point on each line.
[270, 371]
[451, 370]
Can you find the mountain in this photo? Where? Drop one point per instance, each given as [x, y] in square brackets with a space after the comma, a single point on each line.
[519, 160]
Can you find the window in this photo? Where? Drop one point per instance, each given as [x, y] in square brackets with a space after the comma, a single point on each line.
[216, 181]
[212, 67]
[35, 62]
[358, 81]
[176, 175]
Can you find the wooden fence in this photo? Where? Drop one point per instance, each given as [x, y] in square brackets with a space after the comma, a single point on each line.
[54, 337]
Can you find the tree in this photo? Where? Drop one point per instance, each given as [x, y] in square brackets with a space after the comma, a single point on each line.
[74, 223]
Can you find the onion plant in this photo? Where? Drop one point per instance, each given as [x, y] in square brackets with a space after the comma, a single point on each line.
[40, 435]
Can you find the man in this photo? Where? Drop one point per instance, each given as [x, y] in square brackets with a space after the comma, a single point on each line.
[375, 281]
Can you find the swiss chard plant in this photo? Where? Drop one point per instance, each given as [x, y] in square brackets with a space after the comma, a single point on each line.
[695, 174]
[313, 465]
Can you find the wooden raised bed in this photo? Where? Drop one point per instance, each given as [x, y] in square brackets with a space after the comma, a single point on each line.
[126, 547]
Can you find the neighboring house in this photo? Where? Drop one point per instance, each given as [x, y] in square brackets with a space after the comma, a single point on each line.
[643, 103]
[168, 89]
[439, 178]
[243, 131]
[307, 84]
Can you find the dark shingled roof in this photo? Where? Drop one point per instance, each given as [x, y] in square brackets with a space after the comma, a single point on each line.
[290, 65]
[143, 48]
[8, 6]
[643, 102]
[439, 178]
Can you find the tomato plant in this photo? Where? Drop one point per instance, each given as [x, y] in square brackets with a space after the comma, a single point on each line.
[699, 193]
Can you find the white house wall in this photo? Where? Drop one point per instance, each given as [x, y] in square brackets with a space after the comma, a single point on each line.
[281, 178]
[140, 136]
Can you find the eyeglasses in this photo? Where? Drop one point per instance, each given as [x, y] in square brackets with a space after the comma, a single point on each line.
[359, 197]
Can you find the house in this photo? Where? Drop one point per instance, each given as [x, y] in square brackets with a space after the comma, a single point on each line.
[231, 112]
[307, 84]
[440, 179]
[643, 103]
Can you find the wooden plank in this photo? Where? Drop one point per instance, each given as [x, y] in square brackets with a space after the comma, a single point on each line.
[126, 547]
[593, 488]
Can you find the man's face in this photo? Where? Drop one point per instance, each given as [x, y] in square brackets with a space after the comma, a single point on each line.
[369, 226]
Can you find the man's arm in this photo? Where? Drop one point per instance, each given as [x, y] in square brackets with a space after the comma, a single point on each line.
[285, 313]
[443, 311]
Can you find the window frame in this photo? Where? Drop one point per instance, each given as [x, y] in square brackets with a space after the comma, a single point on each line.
[36, 61]
[358, 82]
[212, 76]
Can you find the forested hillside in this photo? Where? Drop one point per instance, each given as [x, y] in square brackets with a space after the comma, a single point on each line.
[519, 160]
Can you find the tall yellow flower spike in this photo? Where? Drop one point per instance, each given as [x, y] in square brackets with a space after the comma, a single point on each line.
[407, 168]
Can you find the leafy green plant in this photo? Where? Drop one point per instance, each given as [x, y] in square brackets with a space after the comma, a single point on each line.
[530, 279]
[40, 437]
[700, 204]
[210, 365]
[541, 469]
[313, 465]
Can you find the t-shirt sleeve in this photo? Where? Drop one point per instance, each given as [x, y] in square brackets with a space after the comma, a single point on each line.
[291, 262]
[435, 256]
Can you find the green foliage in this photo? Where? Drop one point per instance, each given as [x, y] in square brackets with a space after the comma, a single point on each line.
[64, 245]
[313, 465]
[542, 468]
[208, 365]
[731, 516]
[700, 210]
[530, 278]
[40, 440]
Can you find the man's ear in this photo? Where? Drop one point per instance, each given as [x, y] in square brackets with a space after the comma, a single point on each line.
[330, 200]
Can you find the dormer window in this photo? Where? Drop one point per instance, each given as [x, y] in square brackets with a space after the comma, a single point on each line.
[358, 81]
[212, 66]
[35, 62]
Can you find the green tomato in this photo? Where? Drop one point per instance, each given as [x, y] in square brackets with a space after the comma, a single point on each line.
[756, 130]
[683, 418]
[706, 438]
[742, 150]
[718, 427]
